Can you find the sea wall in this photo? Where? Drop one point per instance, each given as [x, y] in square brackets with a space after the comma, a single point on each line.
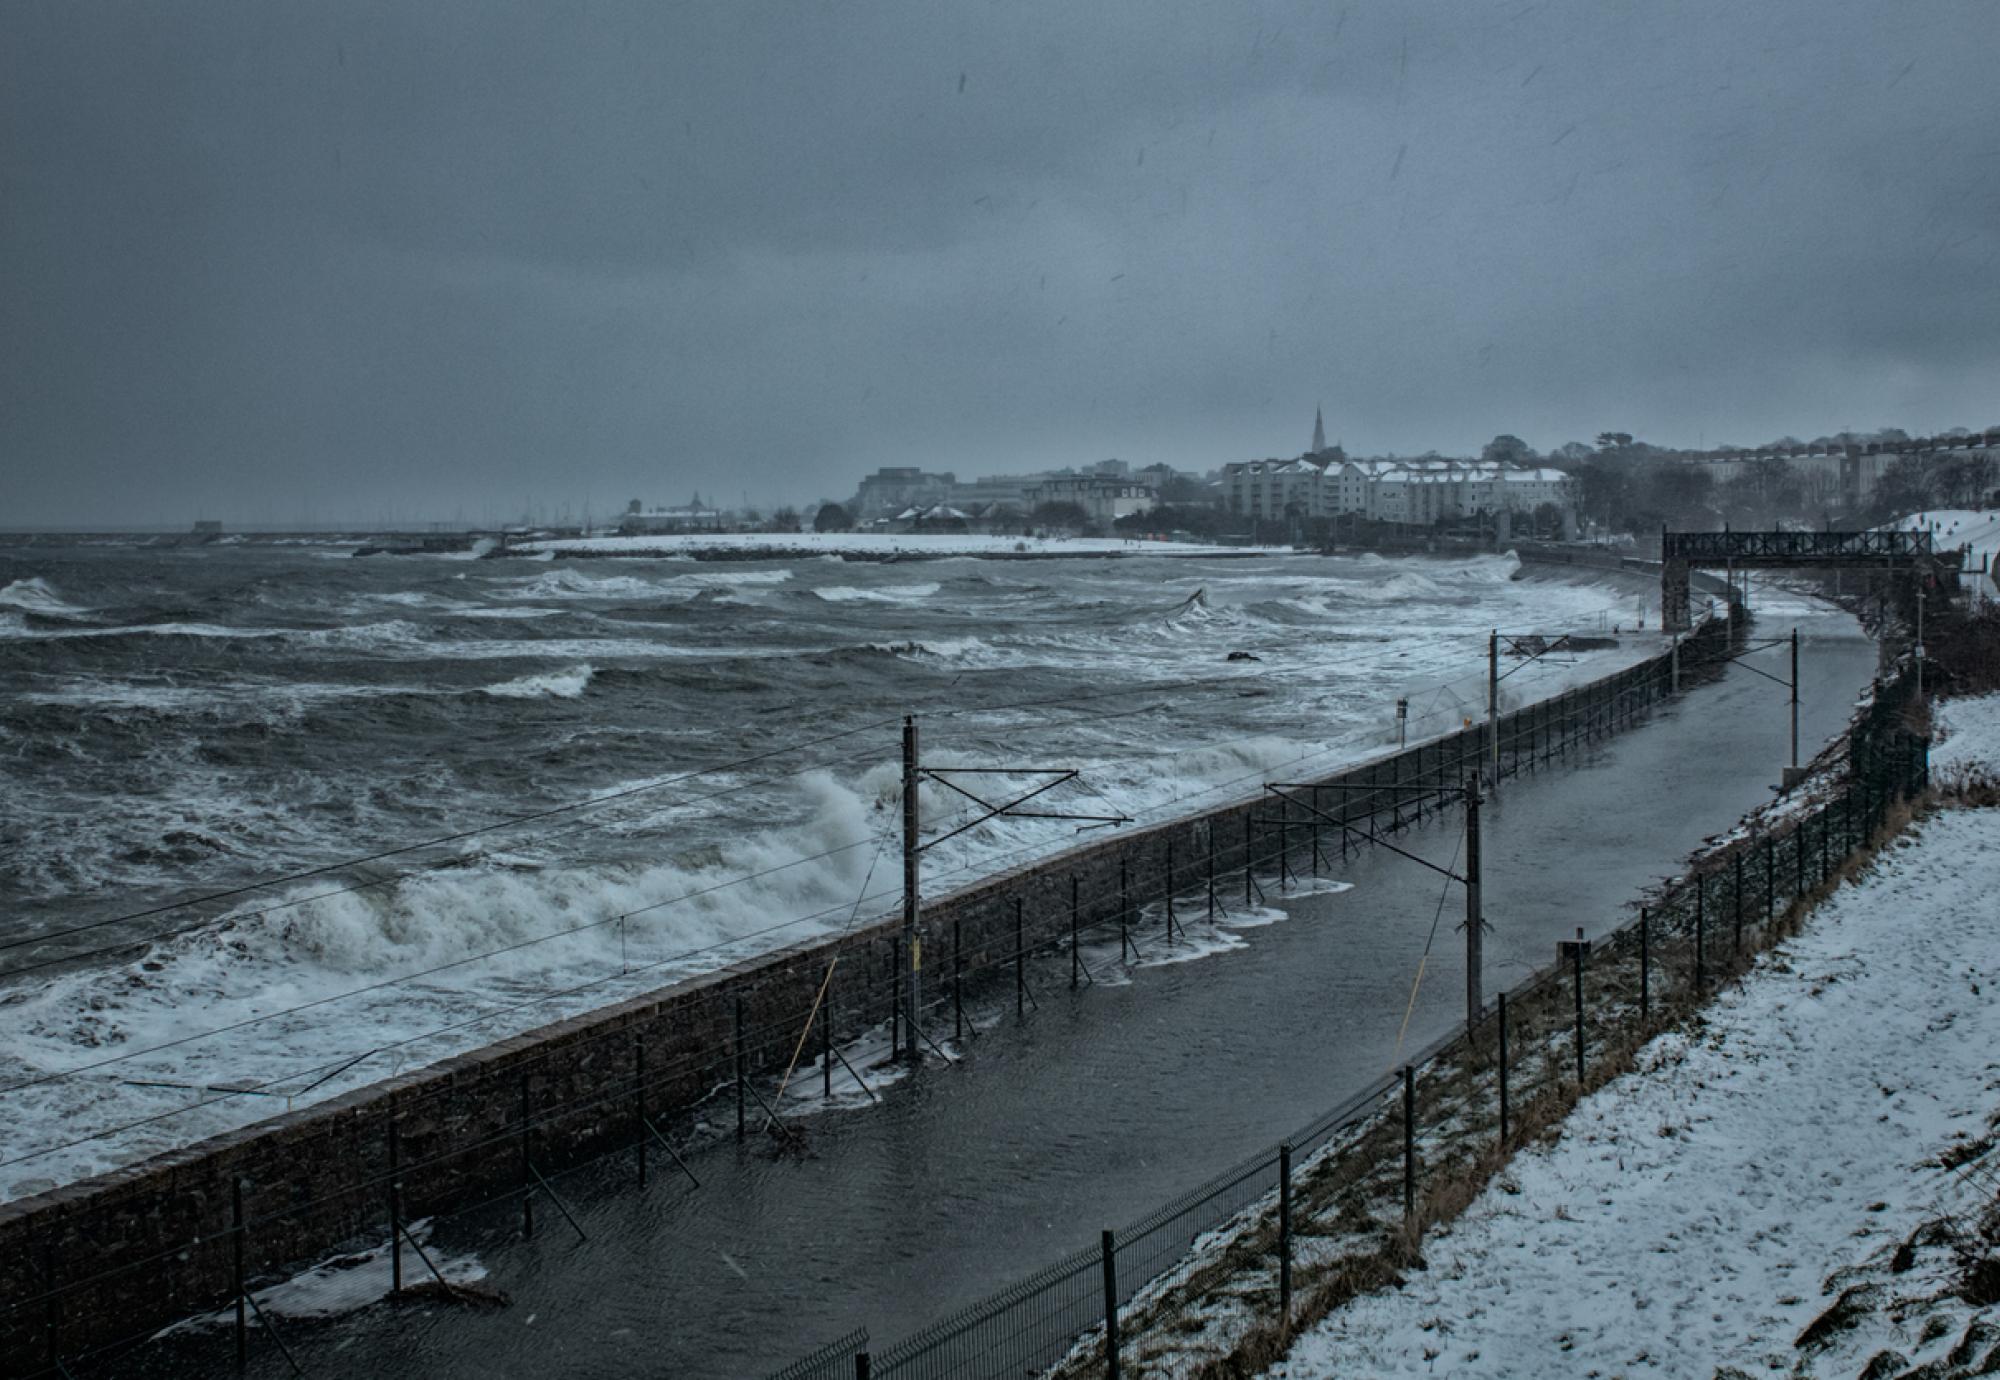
[120, 1254]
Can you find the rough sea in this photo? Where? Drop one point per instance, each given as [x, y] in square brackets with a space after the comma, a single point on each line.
[279, 822]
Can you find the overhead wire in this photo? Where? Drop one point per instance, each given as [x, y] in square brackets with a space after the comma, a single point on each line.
[465, 961]
[457, 861]
[979, 862]
[539, 998]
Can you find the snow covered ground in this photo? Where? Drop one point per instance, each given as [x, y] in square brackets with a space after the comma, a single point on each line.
[1756, 1175]
[1956, 527]
[1967, 739]
[873, 544]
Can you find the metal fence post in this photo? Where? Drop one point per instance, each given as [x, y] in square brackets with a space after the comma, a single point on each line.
[1503, 1069]
[1075, 956]
[957, 984]
[1285, 840]
[1736, 943]
[861, 1365]
[236, 1272]
[51, 1308]
[1170, 889]
[742, 1081]
[639, 1106]
[1770, 876]
[1645, 965]
[1124, 912]
[1578, 953]
[1246, 859]
[527, 1167]
[1285, 1234]
[1211, 873]
[1409, 1147]
[1110, 1305]
[1700, 933]
[395, 1211]
[1020, 963]
[826, 1042]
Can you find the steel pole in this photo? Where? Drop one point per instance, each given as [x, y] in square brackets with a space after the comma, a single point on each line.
[1795, 697]
[912, 945]
[1475, 997]
[1493, 701]
[1920, 646]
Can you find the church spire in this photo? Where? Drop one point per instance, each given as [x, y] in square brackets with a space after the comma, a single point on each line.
[1319, 432]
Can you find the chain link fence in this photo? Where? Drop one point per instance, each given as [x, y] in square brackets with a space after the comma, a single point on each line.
[1399, 1140]
[99, 1276]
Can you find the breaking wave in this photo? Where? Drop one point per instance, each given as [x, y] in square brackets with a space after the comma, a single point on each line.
[567, 684]
[882, 594]
[36, 595]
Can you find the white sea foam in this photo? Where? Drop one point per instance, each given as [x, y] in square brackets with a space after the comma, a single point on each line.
[154, 630]
[502, 611]
[972, 650]
[341, 1285]
[566, 684]
[881, 594]
[36, 595]
[559, 921]
[567, 582]
[730, 578]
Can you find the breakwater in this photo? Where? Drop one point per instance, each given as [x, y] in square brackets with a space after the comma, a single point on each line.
[163, 1238]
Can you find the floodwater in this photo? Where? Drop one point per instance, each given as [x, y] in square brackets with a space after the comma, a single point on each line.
[1103, 1103]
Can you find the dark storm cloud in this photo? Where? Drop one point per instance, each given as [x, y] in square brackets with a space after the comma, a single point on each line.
[461, 257]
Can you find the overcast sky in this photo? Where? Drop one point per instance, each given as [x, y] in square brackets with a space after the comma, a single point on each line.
[259, 261]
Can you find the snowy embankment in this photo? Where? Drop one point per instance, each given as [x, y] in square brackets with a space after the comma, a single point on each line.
[867, 545]
[1952, 528]
[1786, 1187]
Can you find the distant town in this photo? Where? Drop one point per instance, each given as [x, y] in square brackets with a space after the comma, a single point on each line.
[1612, 489]
[1615, 486]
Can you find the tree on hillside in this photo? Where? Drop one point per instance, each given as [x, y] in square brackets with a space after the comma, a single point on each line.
[1602, 486]
[1681, 493]
[832, 517]
[1507, 450]
[1964, 481]
[1766, 491]
[1907, 486]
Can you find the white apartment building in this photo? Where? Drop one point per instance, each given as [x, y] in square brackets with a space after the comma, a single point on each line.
[1415, 491]
[1270, 488]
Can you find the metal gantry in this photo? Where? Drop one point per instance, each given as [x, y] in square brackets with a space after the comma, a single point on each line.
[1893, 552]
[1475, 920]
[1764, 550]
[914, 847]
